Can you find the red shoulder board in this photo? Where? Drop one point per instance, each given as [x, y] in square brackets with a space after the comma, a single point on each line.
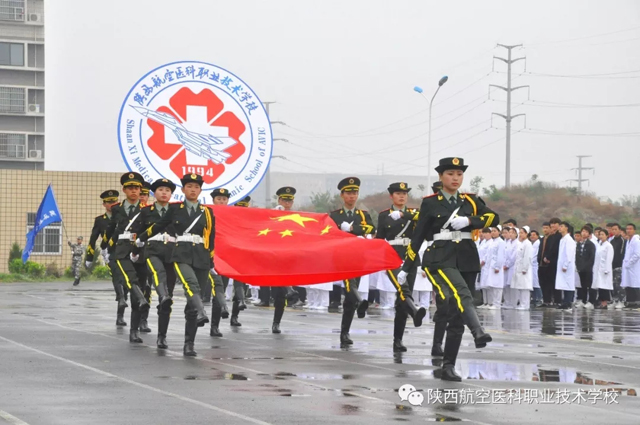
[430, 196]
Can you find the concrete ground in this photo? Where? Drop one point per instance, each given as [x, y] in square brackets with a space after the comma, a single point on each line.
[63, 361]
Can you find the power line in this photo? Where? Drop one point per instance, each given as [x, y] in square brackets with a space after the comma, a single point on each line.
[581, 38]
[561, 133]
[602, 76]
[546, 104]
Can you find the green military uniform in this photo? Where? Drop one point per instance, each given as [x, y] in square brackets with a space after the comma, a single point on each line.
[360, 224]
[192, 255]
[397, 229]
[452, 261]
[100, 226]
[157, 253]
[144, 325]
[126, 222]
[77, 250]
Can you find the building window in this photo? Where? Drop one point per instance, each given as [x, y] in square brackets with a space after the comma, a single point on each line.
[49, 240]
[11, 10]
[12, 54]
[12, 146]
[12, 100]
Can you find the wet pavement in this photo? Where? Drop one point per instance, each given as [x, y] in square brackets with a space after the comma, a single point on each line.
[63, 361]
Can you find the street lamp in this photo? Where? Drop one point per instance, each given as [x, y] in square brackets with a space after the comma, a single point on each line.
[420, 91]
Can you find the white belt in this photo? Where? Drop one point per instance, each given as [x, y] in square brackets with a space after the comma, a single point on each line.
[455, 236]
[190, 238]
[164, 237]
[126, 236]
[400, 242]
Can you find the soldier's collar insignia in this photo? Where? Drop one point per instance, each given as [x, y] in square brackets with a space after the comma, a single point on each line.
[440, 197]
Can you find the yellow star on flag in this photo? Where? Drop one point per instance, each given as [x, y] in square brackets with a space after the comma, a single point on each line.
[325, 230]
[264, 232]
[286, 233]
[296, 218]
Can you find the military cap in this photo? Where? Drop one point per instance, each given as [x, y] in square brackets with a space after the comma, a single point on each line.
[350, 184]
[163, 183]
[220, 192]
[192, 178]
[451, 164]
[109, 196]
[436, 186]
[244, 202]
[146, 187]
[398, 187]
[286, 192]
[131, 179]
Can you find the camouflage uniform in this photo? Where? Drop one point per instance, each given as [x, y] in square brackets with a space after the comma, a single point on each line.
[77, 251]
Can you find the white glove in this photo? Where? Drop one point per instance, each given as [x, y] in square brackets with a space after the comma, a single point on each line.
[87, 264]
[214, 272]
[134, 258]
[345, 227]
[460, 223]
[402, 277]
[139, 243]
[396, 215]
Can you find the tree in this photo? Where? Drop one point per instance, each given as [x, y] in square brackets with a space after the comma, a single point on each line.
[15, 253]
[325, 202]
[475, 184]
[534, 178]
[421, 188]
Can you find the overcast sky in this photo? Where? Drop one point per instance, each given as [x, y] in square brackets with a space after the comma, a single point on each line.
[342, 74]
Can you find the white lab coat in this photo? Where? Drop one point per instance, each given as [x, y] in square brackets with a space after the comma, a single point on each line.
[566, 280]
[534, 264]
[510, 250]
[631, 264]
[496, 262]
[484, 249]
[603, 267]
[523, 264]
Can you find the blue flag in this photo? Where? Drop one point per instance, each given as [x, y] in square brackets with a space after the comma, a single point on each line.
[47, 213]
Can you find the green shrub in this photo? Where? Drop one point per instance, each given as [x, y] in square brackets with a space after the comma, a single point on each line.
[16, 266]
[83, 273]
[15, 253]
[53, 271]
[101, 272]
[34, 269]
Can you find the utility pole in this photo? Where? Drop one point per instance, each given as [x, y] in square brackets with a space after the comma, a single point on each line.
[580, 169]
[508, 117]
[267, 179]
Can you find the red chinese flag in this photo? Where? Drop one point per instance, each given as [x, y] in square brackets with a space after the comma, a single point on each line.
[282, 248]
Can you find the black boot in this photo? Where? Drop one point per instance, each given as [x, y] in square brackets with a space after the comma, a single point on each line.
[134, 335]
[362, 309]
[436, 350]
[238, 296]
[292, 296]
[275, 328]
[481, 338]
[120, 317]
[190, 330]
[438, 336]
[163, 326]
[417, 314]
[76, 282]
[144, 325]
[234, 321]
[138, 297]
[122, 301]
[470, 317]
[449, 374]
[196, 304]
[398, 346]
[345, 339]
[215, 320]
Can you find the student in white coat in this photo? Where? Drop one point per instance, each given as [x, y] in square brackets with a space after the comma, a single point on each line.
[631, 267]
[511, 248]
[484, 252]
[603, 269]
[495, 275]
[522, 281]
[534, 237]
[566, 272]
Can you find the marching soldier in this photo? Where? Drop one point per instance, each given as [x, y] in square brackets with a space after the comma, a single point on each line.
[157, 254]
[144, 325]
[192, 255]
[124, 225]
[396, 225]
[448, 218]
[219, 307]
[281, 294]
[244, 202]
[440, 316]
[100, 225]
[357, 222]
[77, 250]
